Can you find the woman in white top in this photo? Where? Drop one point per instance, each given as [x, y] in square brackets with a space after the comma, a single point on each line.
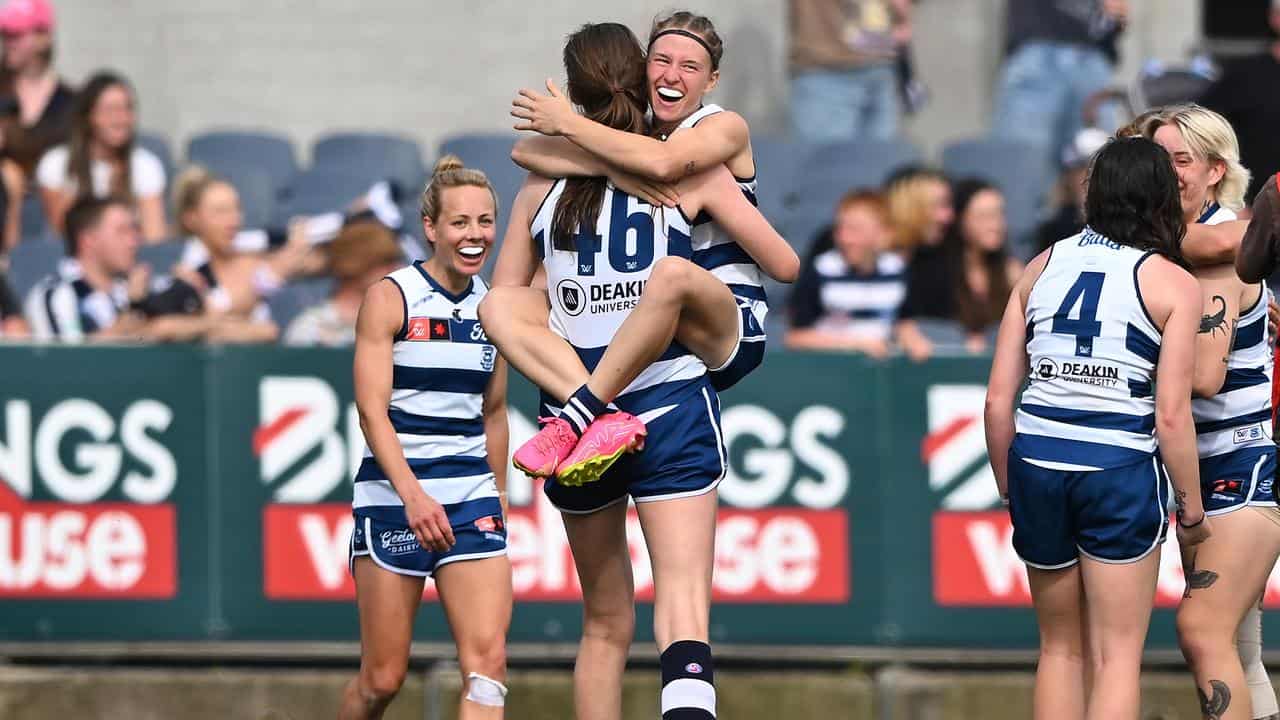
[102, 158]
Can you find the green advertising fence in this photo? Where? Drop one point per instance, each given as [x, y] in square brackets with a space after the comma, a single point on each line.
[185, 494]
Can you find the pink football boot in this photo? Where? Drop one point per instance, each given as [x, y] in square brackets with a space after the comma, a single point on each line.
[601, 444]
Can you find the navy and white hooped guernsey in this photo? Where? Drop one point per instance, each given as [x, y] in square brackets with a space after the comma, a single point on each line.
[442, 365]
[1093, 349]
[713, 249]
[1239, 416]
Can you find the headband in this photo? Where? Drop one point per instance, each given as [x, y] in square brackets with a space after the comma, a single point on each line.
[692, 36]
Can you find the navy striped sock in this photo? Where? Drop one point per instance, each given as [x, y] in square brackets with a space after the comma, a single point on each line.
[582, 408]
[688, 682]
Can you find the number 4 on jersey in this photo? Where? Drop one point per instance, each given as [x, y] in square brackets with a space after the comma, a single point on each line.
[1086, 291]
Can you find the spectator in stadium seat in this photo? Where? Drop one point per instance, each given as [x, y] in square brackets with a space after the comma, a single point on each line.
[844, 78]
[920, 209]
[13, 185]
[1069, 218]
[236, 283]
[362, 253]
[1060, 52]
[30, 88]
[850, 287]
[99, 290]
[967, 279]
[102, 158]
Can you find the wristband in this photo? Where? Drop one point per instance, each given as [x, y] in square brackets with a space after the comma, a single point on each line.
[1184, 526]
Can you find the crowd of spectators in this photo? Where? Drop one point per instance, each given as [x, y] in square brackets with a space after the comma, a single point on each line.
[921, 264]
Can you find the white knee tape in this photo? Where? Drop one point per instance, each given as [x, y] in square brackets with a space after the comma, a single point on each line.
[1249, 646]
[486, 691]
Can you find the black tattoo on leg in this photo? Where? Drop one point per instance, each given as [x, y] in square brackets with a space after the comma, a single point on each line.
[1197, 579]
[1213, 707]
[1217, 321]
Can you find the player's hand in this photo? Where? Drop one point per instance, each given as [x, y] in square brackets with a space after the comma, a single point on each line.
[547, 114]
[139, 282]
[1192, 533]
[429, 522]
[918, 349]
[655, 193]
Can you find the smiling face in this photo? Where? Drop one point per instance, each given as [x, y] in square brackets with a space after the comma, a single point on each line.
[679, 74]
[860, 233]
[216, 218]
[462, 234]
[983, 224]
[1198, 176]
[23, 50]
[112, 117]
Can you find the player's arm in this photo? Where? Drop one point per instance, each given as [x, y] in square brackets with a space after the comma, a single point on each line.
[1206, 245]
[713, 141]
[716, 192]
[517, 260]
[1174, 299]
[556, 157]
[1008, 370]
[496, 430]
[1258, 252]
[380, 319]
[1220, 292]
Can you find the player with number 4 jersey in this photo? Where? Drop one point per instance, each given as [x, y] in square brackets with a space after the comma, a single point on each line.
[1095, 318]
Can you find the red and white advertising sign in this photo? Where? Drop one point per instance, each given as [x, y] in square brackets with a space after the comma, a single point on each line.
[974, 565]
[775, 555]
[79, 546]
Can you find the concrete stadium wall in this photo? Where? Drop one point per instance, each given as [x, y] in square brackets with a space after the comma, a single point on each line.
[432, 67]
[54, 694]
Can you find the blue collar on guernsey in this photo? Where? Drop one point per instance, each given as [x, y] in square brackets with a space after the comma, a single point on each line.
[471, 283]
[1208, 213]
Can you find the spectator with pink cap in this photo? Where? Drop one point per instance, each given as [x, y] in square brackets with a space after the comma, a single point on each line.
[30, 90]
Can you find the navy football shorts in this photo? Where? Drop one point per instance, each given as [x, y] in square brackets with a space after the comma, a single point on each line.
[478, 532]
[1238, 479]
[749, 353]
[1115, 515]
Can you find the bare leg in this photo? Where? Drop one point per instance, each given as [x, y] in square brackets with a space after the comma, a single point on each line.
[1060, 672]
[599, 544]
[516, 319]
[476, 595]
[1222, 584]
[387, 603]
[680, 535]
[680, 301]
[1118, 599]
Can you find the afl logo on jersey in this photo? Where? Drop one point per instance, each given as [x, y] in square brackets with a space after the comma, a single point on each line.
[1046, 369]
[572, 297]
[487, 356]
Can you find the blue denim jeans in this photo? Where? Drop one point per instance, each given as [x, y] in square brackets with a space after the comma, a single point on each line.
[839, 105]
[1042, 90]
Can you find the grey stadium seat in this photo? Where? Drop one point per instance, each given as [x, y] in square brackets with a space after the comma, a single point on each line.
[374, 156]
[492, 154]
[1021, 172]
[162, 257]
[830, 170]
[30, 262]
[320, 190]
[258, 198]
[225, 152]
[297, 296]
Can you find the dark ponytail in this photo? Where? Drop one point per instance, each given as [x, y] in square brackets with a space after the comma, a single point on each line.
[606, 78]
